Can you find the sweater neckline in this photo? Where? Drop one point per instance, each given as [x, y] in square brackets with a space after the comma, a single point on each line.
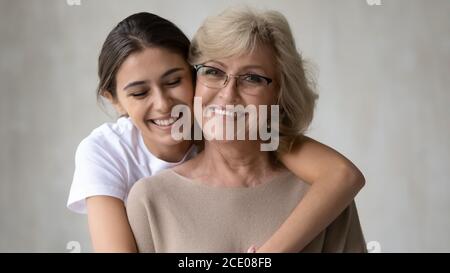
[197, 183]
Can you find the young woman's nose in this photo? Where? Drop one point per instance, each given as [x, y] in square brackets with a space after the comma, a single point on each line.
[161, 101]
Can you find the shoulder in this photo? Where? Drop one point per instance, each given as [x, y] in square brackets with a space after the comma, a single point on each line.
[288, 178]
[107, 138]
[110, 132]
[288, 186]
[151, 188]
[155, 183]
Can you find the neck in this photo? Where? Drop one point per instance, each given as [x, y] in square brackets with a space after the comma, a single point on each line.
[172, 153]
[240, 164]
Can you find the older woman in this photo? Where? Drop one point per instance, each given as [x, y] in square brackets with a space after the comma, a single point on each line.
[234, 194]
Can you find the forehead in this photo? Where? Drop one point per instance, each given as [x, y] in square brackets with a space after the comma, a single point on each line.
[149, 63]
[261, 56]
[155, 56]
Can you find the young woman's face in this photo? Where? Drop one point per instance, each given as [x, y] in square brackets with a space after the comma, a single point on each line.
[149, 83]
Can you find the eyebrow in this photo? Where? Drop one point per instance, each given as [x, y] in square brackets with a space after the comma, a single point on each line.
[171, 71]
[253, 66]
[131, 84]
[242, 68]
[167, 73]
[217, 62]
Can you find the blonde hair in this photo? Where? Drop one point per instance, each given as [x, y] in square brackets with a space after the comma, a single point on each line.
[238, 31]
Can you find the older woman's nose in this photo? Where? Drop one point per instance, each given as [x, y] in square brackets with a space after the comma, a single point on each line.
[230, 93]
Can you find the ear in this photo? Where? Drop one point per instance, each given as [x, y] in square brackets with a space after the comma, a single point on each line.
[114, 101]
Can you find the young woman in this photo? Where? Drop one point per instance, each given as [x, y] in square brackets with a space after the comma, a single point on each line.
[144, 72]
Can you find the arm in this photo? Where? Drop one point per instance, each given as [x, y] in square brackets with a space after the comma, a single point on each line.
[108, 225]
[335, 182]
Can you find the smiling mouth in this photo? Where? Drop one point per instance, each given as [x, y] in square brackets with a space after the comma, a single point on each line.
[166, 122]
[214, 110]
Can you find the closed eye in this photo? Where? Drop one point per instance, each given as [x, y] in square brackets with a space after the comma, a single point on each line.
[139, 94]
[174, 82]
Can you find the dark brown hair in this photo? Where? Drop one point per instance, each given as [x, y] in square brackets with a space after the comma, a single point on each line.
[133, 34]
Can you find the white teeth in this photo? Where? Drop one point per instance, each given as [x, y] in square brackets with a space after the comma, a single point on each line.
[223, 112]
[164, 122]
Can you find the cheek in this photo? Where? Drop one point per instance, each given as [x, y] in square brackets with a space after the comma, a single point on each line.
[136, 109]
[184, 94]
[121, 105]
[270, 98]
[260, 100]
[275, 93]
[188, 94]
[204, 94]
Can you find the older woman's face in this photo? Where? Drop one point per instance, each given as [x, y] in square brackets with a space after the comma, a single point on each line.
[257, 85]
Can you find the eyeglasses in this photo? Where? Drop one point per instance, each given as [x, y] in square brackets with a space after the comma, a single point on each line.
[213, 77]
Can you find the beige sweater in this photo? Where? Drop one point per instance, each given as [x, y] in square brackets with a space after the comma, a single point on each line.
[171, 213]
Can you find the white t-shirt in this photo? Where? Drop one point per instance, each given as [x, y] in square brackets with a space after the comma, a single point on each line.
[110, 160]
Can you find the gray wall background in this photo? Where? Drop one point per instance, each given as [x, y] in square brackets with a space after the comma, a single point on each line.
[383, 75]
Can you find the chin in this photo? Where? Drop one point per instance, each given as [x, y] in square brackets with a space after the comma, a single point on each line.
[167, 141]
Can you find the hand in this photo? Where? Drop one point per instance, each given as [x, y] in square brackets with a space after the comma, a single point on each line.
[252, 249]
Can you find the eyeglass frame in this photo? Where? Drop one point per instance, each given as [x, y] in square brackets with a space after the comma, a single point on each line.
[197, 67]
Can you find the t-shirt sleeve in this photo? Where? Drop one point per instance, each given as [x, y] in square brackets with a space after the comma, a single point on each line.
[98, 171]
[138, 209]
